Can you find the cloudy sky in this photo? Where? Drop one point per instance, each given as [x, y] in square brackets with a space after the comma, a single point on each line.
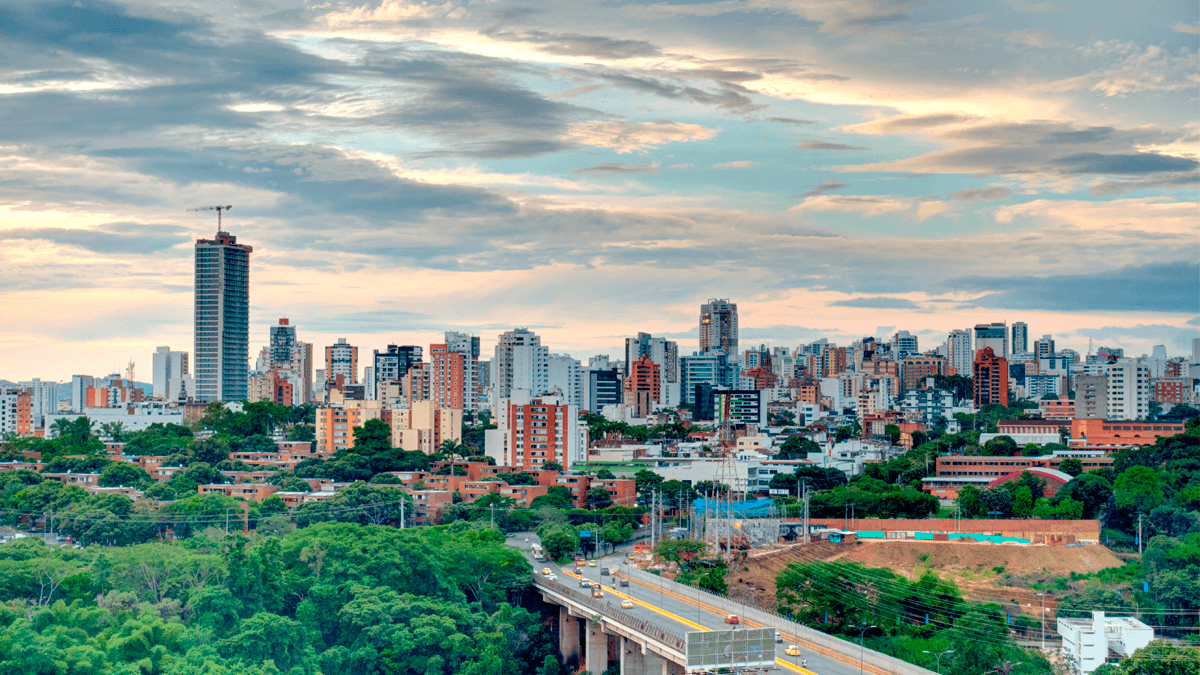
[839, 168]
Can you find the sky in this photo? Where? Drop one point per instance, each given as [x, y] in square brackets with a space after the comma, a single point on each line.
[838, 168]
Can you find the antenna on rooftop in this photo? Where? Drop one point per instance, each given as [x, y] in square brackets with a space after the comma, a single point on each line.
[218, 209]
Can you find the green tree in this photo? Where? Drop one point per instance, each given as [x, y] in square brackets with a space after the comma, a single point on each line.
[124, 474]
[598, 498]
[970, 505]
[1022, 502]
[893, 433]
[1138, 489]
[605, 474]
[1071, 466]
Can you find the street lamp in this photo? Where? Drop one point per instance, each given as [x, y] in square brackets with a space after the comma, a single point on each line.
[862, 637]
[939, 658]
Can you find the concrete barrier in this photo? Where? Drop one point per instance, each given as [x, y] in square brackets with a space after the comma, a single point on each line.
[850, 651]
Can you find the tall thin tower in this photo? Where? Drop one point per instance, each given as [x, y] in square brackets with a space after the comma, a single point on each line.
[222, 320]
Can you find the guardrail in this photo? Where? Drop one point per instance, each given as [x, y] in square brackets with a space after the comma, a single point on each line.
[871, 659]
[606, 610]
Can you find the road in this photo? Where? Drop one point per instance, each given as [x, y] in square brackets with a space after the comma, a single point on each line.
[676, 613]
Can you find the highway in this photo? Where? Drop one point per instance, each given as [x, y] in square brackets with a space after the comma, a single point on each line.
[676, 613]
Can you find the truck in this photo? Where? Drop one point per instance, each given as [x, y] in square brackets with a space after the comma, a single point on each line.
[538, 553]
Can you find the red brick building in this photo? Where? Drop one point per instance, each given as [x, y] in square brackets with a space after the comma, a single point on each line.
[448, 377]
[991, 378]
[644, 376]
[1120, 433]
[1172, 391]
[1062, 408]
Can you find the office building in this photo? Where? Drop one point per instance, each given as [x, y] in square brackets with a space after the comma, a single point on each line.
[710, 369]
[904, 344]
[43, 400]
[719, 327]
[520, 362]
[643, 386]
[1129, 390]
[393, 364]
[170, 378]
[959, 352]
[341, 359]
[474, 385]
[739, 406]
[993, 336]
[1044, 347]
[425, 425]
[914, 370]
[79, 389]
[1020, 337]
[1087, 643]
[1091, 397]
[222, 319]
[605, 387]
[991, 378]
[663, 352]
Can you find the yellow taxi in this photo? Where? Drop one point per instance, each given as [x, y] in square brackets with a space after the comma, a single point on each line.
[592, 564]
[626, 604]
[546, 571]
[792, 650]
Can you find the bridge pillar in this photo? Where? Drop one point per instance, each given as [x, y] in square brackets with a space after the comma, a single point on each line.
[597, 649]
[568, 635]
[631, 658]
[653, 664]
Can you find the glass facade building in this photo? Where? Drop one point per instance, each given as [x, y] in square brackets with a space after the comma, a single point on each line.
[222, 319]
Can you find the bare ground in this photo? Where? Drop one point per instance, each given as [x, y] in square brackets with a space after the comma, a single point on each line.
[987, 572]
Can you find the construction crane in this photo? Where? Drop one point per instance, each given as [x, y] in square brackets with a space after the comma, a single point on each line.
[218, 209]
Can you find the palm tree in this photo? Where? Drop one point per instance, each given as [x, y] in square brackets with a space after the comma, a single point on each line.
[452, 448]
[115, 431]
[62, 427]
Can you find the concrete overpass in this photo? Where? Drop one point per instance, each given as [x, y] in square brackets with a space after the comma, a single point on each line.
[648, 638]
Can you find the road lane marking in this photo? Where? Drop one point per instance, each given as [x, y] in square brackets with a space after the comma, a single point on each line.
[619, 594]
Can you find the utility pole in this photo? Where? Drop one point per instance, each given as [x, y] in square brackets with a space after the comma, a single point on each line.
[806, 538]
[1139, 534]
[493, 514]
[1043, 597]
[402, 514]
[652, 495]
[226, 521]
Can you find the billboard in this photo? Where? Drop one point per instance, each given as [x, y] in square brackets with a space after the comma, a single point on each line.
[744, 648]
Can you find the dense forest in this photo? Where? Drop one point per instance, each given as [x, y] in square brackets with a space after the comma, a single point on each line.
[329, 598]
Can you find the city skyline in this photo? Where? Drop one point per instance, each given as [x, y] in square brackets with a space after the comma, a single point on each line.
[402, 169]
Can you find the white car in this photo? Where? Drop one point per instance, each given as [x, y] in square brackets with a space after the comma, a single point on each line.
[552, 577]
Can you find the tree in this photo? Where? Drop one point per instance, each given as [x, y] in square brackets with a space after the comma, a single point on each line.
[1071, 466]
[893, 434]
[124, 474]
[1139, 489]
[1090, 490]
[1022, 502]
[797, 447]
[1163, 658]
[605, 474]
[294, 484]
[114, 431]
[560, 541]
[1003, 446]
[598, 498]
[551, 466]
[970, 505]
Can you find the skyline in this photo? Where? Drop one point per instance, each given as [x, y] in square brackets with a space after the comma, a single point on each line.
[402, 169]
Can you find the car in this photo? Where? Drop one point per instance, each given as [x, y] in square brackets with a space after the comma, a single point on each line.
[623, 582]
[597, 593]
[579, 562]
[545, 570]
[604, 571]
[592, 564]
[578, 570]
[626, 604]
[552, 577]
[778, 637]
[584, 583]
[732, 618]
[792, 650]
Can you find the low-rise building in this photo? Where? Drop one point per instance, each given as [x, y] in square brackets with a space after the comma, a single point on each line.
[1087, 643]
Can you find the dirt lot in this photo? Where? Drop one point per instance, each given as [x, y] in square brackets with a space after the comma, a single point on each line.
[972, 567]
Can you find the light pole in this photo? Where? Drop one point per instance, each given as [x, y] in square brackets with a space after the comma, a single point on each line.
[939, 658]
[862, 637]
[1043, 597]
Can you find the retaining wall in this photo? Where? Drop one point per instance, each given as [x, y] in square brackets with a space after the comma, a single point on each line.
[871, 659]
[1088, 530]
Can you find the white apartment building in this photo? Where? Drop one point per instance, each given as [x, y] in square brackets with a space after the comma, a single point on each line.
[1086, 642]
[959, 352]
[521, 362]
[1129, 390]
[43, 399]
[136, 417]
[569, 376]
[170, 374]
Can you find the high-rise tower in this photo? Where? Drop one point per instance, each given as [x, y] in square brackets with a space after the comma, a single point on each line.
[719, 326]
[222, 323]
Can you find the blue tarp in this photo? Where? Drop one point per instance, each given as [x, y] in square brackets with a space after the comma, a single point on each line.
[756, 508]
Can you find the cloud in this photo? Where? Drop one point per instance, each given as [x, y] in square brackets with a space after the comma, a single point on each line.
[789, 120]
[981, 195]
[822, 145]
[586, 46]
[740, 164]
[1032, 37]
[877, 302]
[618, 168]
[1160, 287]
[825, 187]
[625, 137]
[110, 238]
[1194, 321]
[1146, 162]
[1186, 28]
[1131, 69]
[732, 97]
[841, 17]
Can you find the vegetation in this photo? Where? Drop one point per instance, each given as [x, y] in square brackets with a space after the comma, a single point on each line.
[331, 598]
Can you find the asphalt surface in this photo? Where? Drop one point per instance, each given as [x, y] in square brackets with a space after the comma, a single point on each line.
[672, 613]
